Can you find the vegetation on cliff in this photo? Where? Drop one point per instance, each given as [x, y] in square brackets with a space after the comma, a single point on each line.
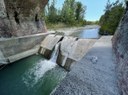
[111, 18]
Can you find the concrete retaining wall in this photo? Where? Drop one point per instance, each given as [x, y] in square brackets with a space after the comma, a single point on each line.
[13, 49]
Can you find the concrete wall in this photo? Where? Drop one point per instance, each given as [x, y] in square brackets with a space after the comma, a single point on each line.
[120, 48]
[13, 49]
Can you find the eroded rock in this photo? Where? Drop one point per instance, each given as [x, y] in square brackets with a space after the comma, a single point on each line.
[21, 17]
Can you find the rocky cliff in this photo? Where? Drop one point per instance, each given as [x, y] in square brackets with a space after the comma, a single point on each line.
[21, 17]
[120, 47]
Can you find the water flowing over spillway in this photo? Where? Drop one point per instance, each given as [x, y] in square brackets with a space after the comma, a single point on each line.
[41, 68]
[55, 53]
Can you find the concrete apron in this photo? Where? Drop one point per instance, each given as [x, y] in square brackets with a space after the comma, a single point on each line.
[71, 49]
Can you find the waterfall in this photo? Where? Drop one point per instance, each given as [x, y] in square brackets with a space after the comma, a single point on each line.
[55, 53]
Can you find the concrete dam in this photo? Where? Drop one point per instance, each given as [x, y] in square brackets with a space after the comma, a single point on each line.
[47, 50]
[70, 49]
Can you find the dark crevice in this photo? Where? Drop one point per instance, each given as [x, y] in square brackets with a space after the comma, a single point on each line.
[76, 39]
[61, 39]
[16, 16]
[36, 18]
[37, 21]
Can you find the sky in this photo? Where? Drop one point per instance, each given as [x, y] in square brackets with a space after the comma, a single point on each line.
[94, 10]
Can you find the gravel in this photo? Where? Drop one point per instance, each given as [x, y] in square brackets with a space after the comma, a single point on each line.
[87, 78]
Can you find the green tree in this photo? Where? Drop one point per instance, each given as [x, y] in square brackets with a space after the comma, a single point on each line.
[80, 11]
[68, 11]
[110, 20]
[52, 13]
[72, 13]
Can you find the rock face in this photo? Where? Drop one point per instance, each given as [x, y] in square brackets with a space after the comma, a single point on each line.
[21, 17]
[120, 47]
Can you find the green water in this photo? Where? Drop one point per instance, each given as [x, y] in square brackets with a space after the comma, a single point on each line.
[30, 76]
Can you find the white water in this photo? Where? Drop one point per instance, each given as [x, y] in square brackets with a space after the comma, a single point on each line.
[39, 69]
[55, 53]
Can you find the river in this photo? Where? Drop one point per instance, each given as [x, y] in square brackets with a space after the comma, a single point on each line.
[92, 33]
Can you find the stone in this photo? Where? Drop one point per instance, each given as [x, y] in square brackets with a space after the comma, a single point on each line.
[2, 9]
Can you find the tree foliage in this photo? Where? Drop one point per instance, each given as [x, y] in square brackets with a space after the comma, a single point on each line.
[110, 20]
[71, 13]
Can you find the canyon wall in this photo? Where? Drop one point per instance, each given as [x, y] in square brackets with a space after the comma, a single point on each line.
[21, 17]
[120, 48]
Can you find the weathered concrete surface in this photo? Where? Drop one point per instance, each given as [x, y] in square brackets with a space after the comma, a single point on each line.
[92, 78]
[75, 48]
[2, 58]
[48, 45]
[13, 49]
[50, 41]
[22, 55]
[120, 48]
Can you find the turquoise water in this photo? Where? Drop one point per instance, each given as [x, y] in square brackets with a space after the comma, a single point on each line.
[87, 33]
[30, 76]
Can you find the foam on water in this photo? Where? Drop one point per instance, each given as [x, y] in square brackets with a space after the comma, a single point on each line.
[33, 75]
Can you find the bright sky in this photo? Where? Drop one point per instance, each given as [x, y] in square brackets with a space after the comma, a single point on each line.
[95, 8]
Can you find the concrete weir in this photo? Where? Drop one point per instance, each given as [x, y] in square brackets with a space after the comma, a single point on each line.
[48, 44]
[71, 49]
